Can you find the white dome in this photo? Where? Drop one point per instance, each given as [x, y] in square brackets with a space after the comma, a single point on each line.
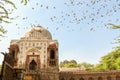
[38, 32]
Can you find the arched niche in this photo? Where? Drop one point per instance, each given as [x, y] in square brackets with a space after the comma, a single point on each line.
[62, 79]
[90, 78]
[72, 78]
[52, 54]
[100, 78]
[33, 65]
[32, 57]
[81, 79]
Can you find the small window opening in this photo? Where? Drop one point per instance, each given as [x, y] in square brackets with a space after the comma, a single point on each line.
[52, 54]
[13, 53]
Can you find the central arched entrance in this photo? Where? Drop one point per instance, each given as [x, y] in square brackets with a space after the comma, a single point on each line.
[33, 65]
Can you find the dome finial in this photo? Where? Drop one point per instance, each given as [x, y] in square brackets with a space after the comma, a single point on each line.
[39, 25]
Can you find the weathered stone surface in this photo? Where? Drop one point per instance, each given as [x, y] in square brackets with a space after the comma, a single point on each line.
[87, 75]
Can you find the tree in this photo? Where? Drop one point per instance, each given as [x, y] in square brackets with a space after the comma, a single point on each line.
[74, 64]
[113, 26]
[2, 31]
[87, 66]
[5, 13]
[73, 61]
[63, 63]
[111, 61]
[68, 64]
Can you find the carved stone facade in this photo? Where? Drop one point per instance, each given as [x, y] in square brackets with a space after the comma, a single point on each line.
[38, 54]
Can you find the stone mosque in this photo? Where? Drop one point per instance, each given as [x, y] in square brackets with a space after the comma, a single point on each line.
[35, 57]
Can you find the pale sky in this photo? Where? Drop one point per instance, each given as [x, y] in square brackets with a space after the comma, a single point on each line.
[78, 25]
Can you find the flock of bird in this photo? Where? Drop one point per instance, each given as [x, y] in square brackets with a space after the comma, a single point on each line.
[93, 13]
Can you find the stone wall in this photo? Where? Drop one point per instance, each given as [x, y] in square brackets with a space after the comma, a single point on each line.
[107, 75]
[8, 73]
[9, 62]
[7, 68]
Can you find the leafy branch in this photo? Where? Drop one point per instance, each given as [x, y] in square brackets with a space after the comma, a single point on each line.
[24, 2]
[2, 31]
[113, 26]
[5, 13]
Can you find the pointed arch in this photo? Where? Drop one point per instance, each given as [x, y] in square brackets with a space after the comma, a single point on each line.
[90, 78]
[62, 79]
[52, 54]
[100, 78]
[33, 65]
[72, 78]
[81, 78]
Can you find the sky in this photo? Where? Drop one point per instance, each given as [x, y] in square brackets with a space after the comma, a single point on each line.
[80, 26]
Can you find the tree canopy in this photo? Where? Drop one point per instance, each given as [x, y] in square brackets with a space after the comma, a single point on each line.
[74, 64]
[111, 61]
[86, 65]
[68, 64]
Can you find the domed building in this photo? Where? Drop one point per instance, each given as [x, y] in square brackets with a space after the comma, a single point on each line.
[38, 54]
